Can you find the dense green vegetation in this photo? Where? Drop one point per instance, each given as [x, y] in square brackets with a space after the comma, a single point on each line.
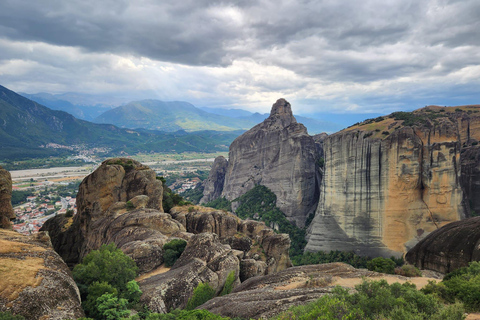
[220, 203]
[29, 125]
[173, 250]
[201, 294]
[19, 197]
[463, 284]
[41, 162]
[8, 316]
[260, 203]
[105, 278]
[376, 300]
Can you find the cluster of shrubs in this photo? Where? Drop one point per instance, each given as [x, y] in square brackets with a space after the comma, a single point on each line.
[377, 300]
[106, 282]
[170, 198]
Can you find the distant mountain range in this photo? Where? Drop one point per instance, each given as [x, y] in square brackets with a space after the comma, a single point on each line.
[177, 115]
[81, 108]
[168, 116]
[27, 127]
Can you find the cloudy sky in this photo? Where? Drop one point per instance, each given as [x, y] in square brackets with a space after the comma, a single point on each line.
[322, 56]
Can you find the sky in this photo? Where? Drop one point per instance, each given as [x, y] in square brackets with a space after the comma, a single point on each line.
[331, 56]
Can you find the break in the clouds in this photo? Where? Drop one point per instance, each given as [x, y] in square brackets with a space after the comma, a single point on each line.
[342, 55]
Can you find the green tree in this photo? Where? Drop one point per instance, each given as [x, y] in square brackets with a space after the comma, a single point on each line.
[201, 294]
[96, 290]
[108, 264]
[380, 264]
[173, 250]
[110, 307]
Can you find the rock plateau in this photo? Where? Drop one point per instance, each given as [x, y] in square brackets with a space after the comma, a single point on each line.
[390, 181]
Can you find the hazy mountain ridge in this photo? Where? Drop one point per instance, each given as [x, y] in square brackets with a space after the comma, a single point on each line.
[26, 125]
[178, 115]
[80, 108]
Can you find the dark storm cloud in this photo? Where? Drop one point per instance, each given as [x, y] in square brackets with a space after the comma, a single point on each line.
[338, 52]
[216, 33]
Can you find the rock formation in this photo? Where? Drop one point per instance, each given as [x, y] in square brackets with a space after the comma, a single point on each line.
[205, 260]
[6, 210]
[264, 251]
[35, 283]
[451, 247]
[279, 154]
[267, 296]
[115, 206]
[216, 178]
[390, 181]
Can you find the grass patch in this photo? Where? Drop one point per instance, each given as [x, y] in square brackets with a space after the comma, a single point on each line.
[17, 274]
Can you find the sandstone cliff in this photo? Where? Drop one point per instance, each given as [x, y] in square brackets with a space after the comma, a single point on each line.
[390, 181]
[279, 154]
[6, 210]
[448, 248]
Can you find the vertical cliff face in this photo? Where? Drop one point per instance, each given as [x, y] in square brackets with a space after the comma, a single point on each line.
[6, 209]
[279, 154]
[215, 181]
[390, 181]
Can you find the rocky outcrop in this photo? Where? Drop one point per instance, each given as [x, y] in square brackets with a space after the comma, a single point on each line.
[205, 260]
[120, 202]
[115, 206]
[267, 296]
[213, 186]
[448, 248]
[35, 283]
[279, 154]
[263, 250]
[6, 210]
[389, 182]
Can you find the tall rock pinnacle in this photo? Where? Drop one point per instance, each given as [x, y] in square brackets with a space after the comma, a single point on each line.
[279, 154]
[281, 114]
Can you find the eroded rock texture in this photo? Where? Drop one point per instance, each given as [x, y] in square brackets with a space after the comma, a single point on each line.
[263, 250]
[267, 296]
[115, 206]
[448, 248]
[6, 210]
[205, 260]
[279, 154]
[387, 185]
[120, 202]
[215, 181]
[35, 283]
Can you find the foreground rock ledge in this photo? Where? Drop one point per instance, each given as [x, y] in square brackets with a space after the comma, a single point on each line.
[35, 282]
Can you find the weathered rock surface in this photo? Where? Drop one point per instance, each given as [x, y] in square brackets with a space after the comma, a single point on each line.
[451, 247]
[205, 260]
[279, 154]
[35, 283]
[121, 202]
[259, 243]
[115, 207]
[267, 296]
[6, 209]
[386, 186]
[213, 186]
